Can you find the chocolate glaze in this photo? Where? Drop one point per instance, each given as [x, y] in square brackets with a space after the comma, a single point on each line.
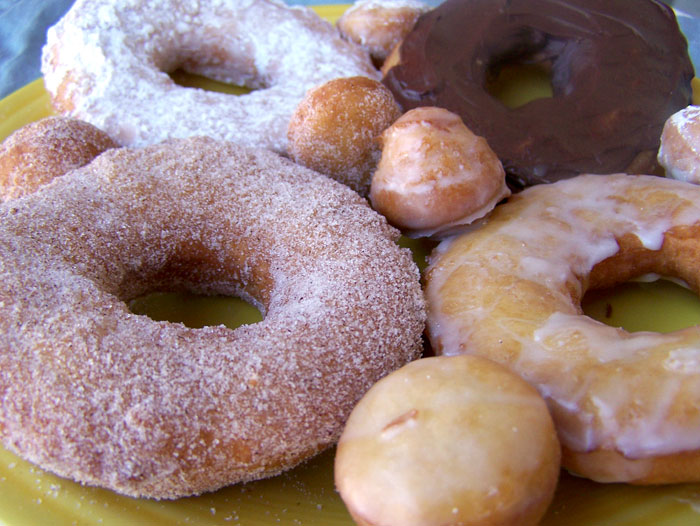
[619, 69]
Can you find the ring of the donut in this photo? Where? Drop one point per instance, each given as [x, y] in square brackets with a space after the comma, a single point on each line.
[108, 63]
[601, 117]
[96, 393]
[625, 404]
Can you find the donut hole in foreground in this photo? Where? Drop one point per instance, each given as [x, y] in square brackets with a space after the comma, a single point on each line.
[195, 310]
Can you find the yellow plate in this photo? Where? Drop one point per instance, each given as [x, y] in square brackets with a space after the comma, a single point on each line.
[306, 496]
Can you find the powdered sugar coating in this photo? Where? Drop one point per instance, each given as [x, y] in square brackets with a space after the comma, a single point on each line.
[107, 61]
[93, 392]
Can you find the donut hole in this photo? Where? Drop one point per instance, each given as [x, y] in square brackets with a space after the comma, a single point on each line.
[193, 288]
[646, 290]
[516, 84]
[524, 72]
[191, 80]
[658, 304]
[196, 310]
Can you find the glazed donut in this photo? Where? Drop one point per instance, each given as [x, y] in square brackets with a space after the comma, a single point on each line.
[602, 118]
[434, 174]
[334, 129]
[679, 153]
[449, 441]
[380, 25]
[107, 62]
[93, 392]
[625, 404]
[39, 151]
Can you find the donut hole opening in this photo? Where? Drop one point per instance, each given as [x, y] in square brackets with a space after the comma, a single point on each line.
[524, 71]
[653, 303]
[191, 80]
[196, 310]
[515, 83]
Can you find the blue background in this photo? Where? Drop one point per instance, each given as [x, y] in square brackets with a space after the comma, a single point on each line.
[23, 26]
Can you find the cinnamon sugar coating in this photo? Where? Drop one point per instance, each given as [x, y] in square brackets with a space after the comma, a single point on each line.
[107, 62]
[93, 392]
[39, 151]
[334, 129]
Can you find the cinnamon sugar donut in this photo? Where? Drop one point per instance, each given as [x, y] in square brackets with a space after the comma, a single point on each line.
[626, 405]
[449, 441]
[434, 174]
[39, 151]
[679, 153]
[107, 62]
[334, 129]
[93, 392]
[380, 25]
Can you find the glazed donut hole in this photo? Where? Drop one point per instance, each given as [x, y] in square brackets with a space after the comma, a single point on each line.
[679, 152]
[379, 25]
[449, 441]
[434, 174]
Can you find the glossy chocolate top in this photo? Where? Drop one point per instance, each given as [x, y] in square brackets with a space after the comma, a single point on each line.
[619, 69]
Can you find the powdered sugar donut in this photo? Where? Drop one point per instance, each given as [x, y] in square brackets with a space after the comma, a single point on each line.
[107, 62]
[91, 391]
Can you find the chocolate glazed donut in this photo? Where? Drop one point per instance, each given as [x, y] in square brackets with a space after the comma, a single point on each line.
[619, 69]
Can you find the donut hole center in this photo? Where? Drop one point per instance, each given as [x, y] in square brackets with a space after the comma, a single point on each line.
[186, 79]
[196, 310]
[650, 303]
[515, 84]
[523, 72]
[639, 289]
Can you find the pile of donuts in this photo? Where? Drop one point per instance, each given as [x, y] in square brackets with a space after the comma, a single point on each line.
[361, 132]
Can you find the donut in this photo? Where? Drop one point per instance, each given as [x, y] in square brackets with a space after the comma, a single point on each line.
[434, 174]
[379, 25]
[679, 153]
[39, 151]
[334, 129]
[449, 441]
[107, 62]
[97, 394]
[617, 69]
[625, 404]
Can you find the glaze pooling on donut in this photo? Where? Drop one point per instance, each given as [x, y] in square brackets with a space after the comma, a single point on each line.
[107, 62]
[93, 392]
[618, 70]
[511, 290]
